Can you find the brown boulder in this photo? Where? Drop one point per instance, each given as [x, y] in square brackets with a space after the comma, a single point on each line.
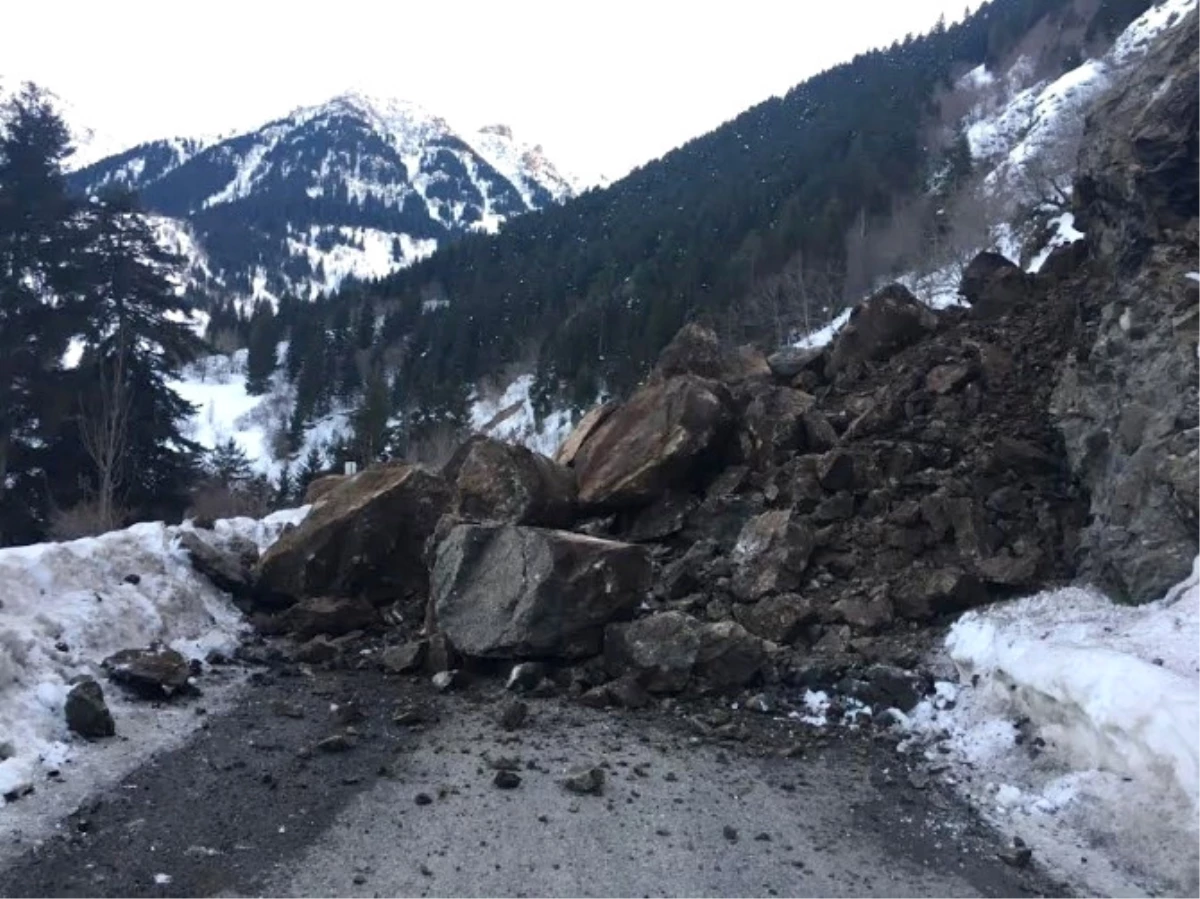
[779, 619]
[328, 615]
[320, 487]
[365, 539]
[694, 350]
[502, 591]
[502, 482]
[925, 593]
[593, 419]
[771, 555]
[878, 328]
[664, 436]
[993, 285]
[774, 424]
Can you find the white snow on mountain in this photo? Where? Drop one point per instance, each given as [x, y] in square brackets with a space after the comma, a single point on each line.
[523, 164]
[1074, 722]
[67, 606]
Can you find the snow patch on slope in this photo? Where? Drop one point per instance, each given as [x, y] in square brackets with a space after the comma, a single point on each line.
[509, 417]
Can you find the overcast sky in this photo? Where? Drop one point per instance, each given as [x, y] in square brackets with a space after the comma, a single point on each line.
[604, 85]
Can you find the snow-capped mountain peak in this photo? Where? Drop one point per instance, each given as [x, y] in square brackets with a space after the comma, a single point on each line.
[358, 185]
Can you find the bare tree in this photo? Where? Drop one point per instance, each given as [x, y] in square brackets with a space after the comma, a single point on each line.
[104, 430]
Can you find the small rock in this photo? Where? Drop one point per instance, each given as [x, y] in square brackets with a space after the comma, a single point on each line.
[423, 799]
[596, 697]
[349, 712]
[360, 879]
[86, 711]
[336, 743]
[730, 833]
[410, 716]
[628, 693]
[1019, 857]
[316, 651]
[760, 702]
[288, 709]
[525, 676]
[405, 659]
[133, 579]
[513, 714]
[507, 780]
[149, 673]
[447, 680]
[584, 781]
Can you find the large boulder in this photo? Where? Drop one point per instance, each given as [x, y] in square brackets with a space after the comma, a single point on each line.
[320, 487]
[771, 555]
[587, 425]
[502, 482]
[775, 423]
[670, 651]
[228, 570]
[332, 616]
[669, 433]
[504, 591]
[86, 711]
[881, 326]
[694, 350]
[366, 538]
[993, 285]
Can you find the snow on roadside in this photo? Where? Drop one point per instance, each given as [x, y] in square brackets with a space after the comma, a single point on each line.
[1075, 724]
[67, 606]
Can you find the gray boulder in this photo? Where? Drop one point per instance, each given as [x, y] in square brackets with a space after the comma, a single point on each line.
[502, 482]
[671, 651]
[504, 591]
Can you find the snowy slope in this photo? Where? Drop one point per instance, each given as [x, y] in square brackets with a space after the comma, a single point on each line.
[67, 606]
[358, 186]
[1023, 135]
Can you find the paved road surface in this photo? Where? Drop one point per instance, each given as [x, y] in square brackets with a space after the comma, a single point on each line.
[247, 807]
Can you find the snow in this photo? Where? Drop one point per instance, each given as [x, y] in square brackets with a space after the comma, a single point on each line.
[1065, 233]
[67, 606]
[824, 335]
[216, 385]
[509, 417]
[363, 253]
[1135, 40]
[1076, 723]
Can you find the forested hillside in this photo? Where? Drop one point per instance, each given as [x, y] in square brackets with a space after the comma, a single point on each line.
[796, 185]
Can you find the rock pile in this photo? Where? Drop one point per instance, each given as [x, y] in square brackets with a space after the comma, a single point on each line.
[734, 513]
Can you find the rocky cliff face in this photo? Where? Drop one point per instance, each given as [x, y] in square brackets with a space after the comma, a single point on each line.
[1125, 399]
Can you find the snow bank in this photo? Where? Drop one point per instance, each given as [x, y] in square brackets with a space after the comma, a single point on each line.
[1110, 687]
[1076, 723]
[66, 606]
[824, 335]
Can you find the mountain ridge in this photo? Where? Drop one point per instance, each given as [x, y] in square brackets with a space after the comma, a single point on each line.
[357, 186]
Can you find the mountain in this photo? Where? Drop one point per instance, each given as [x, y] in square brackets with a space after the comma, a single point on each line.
[766, 227]
[358, 186]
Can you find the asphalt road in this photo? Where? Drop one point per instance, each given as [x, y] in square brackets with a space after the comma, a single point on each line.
[252, 805]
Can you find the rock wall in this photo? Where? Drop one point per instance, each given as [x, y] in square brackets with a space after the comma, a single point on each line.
[1125, 399]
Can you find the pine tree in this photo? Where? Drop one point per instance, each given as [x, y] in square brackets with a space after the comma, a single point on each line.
[311, 468]
[228, 464]
[261, 354]
[284, 490]
[39, 290]
[370, 419]
[134, 339]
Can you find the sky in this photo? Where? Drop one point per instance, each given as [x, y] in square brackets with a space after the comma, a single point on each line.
[603, 85]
